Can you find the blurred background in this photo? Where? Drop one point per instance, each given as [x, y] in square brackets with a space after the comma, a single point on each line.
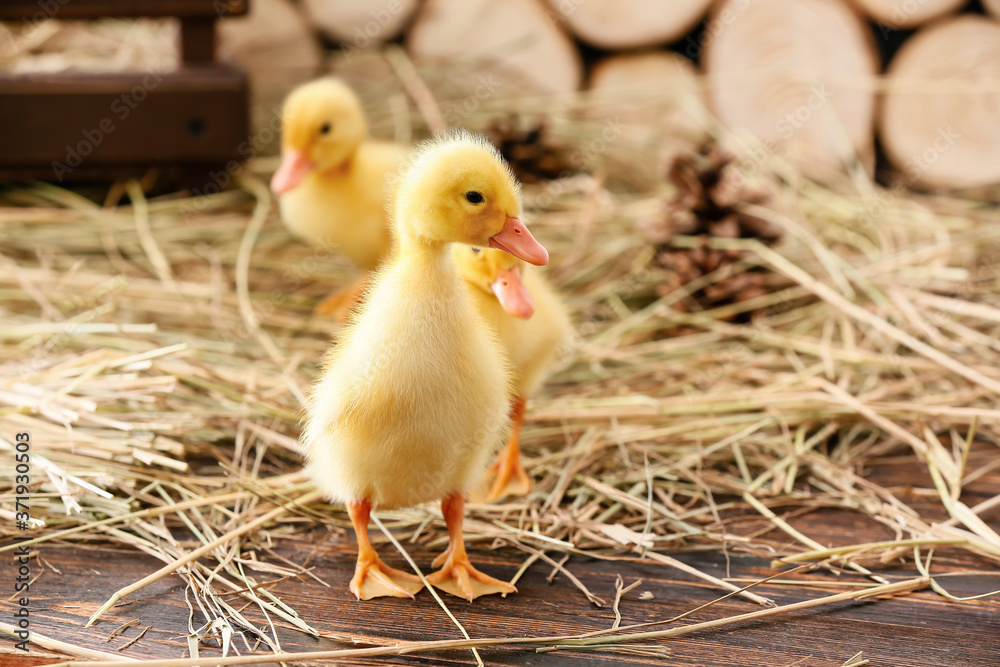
[774, 224]
[885, 86]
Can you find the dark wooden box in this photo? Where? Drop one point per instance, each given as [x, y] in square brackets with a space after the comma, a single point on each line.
[81, 126]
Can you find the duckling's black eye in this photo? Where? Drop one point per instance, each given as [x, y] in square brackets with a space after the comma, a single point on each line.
[473, 197]
[324, 128]
[475, 250]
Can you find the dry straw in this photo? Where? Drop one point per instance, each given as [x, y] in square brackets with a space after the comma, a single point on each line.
[159, 351]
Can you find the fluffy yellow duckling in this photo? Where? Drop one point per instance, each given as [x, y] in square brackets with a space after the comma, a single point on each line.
[415, 395]
[333, 181]
[531, 323]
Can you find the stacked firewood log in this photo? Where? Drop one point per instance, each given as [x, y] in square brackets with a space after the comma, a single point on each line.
[818, 80]
[802, 76]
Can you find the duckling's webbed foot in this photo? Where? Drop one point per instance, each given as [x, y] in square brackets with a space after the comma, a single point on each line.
[507, 477]
[457, 575]
[459, 578]
[373, 578]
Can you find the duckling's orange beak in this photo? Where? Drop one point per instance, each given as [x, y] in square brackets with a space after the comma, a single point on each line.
[294, 168]
[513, 296]
[516, 240]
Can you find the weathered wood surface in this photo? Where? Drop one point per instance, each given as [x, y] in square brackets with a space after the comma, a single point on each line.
[919, 630]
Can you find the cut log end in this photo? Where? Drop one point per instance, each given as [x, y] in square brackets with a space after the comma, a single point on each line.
[657, 71]
[275, 47]
[651, 89]
[902, 14]
[515, 38]
[993, 7]
[654, 101]
[797, 76]
[359, 23]
[938, 123]
[628, 24]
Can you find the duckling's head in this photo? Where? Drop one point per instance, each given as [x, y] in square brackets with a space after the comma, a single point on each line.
[322, 126]
[458, 189]
[497, 273]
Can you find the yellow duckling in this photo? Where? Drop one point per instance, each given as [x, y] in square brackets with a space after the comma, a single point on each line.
[333, 181]
[415, 395]
[532, 323]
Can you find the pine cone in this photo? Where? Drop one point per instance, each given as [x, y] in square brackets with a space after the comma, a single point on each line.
[532, 154]
[709, 192]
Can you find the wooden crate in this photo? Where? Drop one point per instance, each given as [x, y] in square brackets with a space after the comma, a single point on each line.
[83, 126]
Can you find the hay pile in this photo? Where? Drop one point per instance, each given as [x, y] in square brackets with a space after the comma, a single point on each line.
[158, 354]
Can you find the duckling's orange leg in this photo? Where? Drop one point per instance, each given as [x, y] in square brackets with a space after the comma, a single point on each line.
[507, 472]
[339, 304]
[372, 577]
[457, 575]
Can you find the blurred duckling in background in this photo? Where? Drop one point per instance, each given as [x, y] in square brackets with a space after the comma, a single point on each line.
[532, 323]
[333, 181]
[415, 396]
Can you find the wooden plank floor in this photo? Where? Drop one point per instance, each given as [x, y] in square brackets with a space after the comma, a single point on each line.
[920, 630]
